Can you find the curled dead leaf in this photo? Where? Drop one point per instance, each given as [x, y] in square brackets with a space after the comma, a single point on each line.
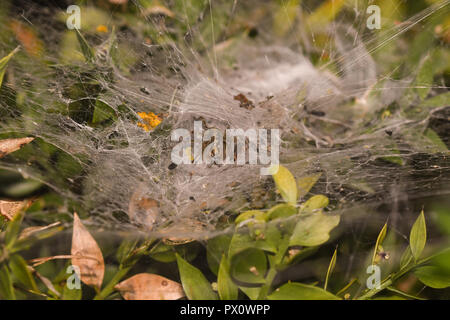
[87, 255]
[9, 209]
[11, 145]
[143, 210]
[147, 286]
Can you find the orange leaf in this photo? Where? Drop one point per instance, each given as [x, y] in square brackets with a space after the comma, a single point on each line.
[150, 120]
[88, 255]
[27, 38]
[147, 286]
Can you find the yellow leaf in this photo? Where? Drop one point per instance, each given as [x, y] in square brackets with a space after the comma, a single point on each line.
[325, 13]
[306, 183]
[379, 242]
[285, 16]
[4, 62]
[286, 185]
[150, 120]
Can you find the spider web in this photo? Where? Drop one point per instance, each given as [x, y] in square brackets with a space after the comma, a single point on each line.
[347, 110]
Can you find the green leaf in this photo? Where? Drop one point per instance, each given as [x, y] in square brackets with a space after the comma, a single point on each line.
[195, 285]
[406, 258]
[314, 203]
[226, 287]
[4, 62]
[249, 266]
[433, 277]
[215, 248]
[298, 255]
[442, 215]
[251, 292]
[280, 211]
[125, 250]
[306, 183]
[12, 231]
[424, 79]
[71, 294]
[86, 49]
[436, 140]
[286, 185]
[330, 268]
[403, 294]
[418, 236]
[442, 260]
[252, 215]
[6, 285]
[313, 229]
[103, 113]
[395, 297]
[163, 253]
[268, 241]
[441, 100]
[379, 242]
[393, 158]
[20, 269]
[299, 291]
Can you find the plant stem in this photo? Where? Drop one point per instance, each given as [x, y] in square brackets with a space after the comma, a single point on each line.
[266, 287]
[123, 270]
[108, 289]
[374, 291]
[274, 263]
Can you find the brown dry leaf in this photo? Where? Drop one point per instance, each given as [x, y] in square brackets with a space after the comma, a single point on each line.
[147, 286]
[9, 209]
[11, 145]
[88, 255]
[143, 210]
[244, 102]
